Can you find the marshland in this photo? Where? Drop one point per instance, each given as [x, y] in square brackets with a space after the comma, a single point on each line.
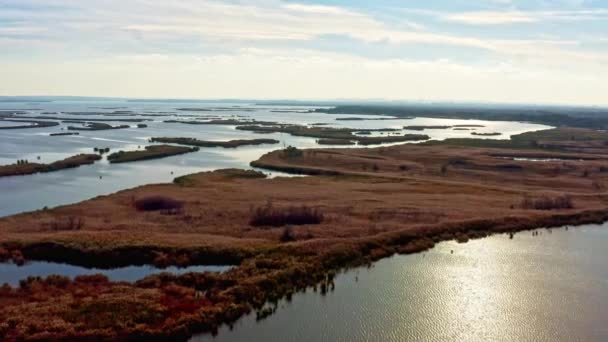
[278, 242]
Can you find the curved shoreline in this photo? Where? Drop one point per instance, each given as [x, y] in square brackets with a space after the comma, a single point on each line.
[317, 272]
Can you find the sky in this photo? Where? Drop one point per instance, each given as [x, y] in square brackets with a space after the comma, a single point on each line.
[511, 51]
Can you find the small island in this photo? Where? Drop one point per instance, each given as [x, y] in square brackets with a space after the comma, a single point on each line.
[391, 139]
[422, 128]
[494, 134]
[24, 167]
[96, 126]
[335, 142]
[151, 152]
[207, 143]
[63, 134]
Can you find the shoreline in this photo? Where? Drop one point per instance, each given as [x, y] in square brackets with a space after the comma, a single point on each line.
[320, 273]
[373, 203]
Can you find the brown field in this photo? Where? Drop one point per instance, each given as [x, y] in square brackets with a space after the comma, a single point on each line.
[285, 234]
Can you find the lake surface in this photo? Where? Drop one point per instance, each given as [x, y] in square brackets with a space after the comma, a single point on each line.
[12, 274]
[550, 287]
[26, 193]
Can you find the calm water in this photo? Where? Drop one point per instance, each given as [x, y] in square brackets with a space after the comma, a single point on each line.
[11, 273]
[25, 193]
[552, 287]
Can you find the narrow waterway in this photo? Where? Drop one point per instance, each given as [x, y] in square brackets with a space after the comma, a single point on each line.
[12, 274]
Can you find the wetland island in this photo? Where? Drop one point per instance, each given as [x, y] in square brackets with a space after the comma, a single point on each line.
[303, 171]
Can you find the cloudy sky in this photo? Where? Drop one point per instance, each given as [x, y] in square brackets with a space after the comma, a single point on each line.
[529, 51]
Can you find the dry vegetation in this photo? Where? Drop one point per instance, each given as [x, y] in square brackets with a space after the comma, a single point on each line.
[285, 234]
[95, 126]
[207, 143]
[150, 152]
[23, 167]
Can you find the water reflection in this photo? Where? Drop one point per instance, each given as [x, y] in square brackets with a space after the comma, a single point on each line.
[550, 287]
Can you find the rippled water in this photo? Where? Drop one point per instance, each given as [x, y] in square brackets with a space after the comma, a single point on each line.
[551, 287]
[12, 274]
[25, 193]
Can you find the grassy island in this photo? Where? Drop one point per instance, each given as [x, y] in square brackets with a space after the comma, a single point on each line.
[63, 134]
[207, 143]
[96, 126]
[493, 134]
[335, 134]
[23, 167]
[150, 152]
[422, 128]
[283, 234]
[335, 142]
[229, 122]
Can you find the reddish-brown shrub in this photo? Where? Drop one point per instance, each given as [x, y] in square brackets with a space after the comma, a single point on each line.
[57, 281]
[92, 279]
[547, 203]
[278, 217]
[17, 257]
[4, 254]
[287, 235]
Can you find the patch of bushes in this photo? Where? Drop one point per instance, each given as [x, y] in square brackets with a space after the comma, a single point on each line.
[271, 216]
[159, 203]
[287, 235]
[292, 152]
[4, 254]
[335, 142]
[547, 203]
[101, 150]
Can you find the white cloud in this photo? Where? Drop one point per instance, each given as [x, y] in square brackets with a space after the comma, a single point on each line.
[150, 22]
[278, 73]
[188, 48]
[514, 17]
[491, 18]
